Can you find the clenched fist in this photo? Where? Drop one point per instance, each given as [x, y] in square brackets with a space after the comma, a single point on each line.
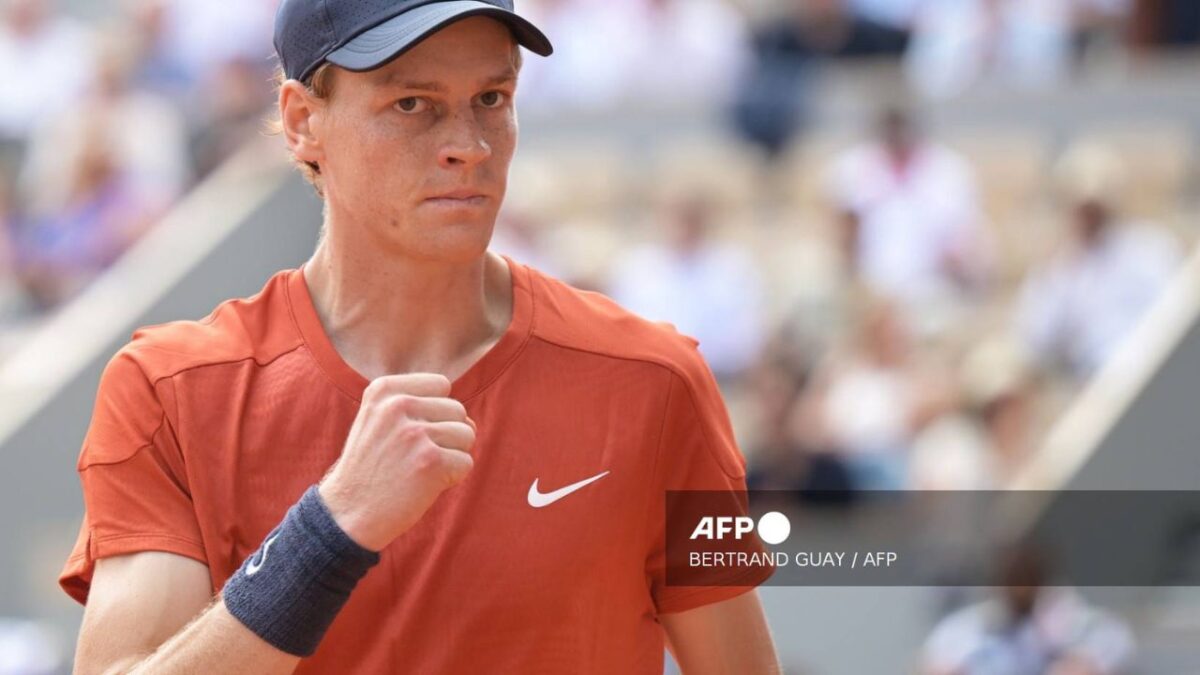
[408, 444]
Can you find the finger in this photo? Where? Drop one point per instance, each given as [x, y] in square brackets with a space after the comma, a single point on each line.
[458, 465]
[452, 435]
[414, 384]
[434, 409]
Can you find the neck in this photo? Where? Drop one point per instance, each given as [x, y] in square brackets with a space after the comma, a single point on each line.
[389, 314]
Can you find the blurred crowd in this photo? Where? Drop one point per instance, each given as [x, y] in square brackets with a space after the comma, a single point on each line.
[886, 336]
[104, 124]
[898, 346]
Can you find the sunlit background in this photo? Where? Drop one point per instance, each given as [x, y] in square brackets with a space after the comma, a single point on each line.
[924, 244]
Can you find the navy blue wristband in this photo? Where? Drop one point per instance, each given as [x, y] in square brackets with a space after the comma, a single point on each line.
[289, 590]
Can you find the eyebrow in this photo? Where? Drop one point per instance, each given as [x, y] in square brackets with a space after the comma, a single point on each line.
[394, 80]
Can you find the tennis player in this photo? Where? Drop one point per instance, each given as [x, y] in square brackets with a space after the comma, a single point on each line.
[410, 455]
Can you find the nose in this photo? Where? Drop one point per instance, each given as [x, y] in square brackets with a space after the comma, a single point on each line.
[464, 145]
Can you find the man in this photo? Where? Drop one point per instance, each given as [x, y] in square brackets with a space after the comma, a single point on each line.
[409, 455]
[1029, 627]
[909, 216]
[1078, 307]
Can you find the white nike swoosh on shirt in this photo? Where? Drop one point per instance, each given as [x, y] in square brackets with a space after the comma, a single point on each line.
[538, 499]
[252, 568]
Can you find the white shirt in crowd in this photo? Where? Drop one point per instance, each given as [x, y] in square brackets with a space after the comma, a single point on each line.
[910, 222]
[643, 52]
[44, 72]
[1023, 43]
[1082, 305]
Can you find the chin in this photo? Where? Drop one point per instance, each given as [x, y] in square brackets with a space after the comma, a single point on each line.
[452, 242]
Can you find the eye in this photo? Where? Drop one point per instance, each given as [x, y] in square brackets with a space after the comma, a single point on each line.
[412, 105]
[492, 99]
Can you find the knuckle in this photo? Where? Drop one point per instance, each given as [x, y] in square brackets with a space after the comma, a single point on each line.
[440, 382]
[468, 435]
[414, 433]
[374, 389]
[402, 404]
[457, 468]
[428, 459]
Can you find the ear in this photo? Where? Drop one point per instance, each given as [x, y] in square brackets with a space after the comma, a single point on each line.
[301, 114]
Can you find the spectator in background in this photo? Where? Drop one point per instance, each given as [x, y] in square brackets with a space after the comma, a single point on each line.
[896, 14]
[1029, 628]
[47, 57]
[1024, 44]
[1171, 23]
[870, 397]
[160, 68]
[771, 104]
[708, 290]
[986, 439]
[191, 39]
[59, 251]
[685, 51]
[647, 53]
[909, 215]
[144, 139]
[783, 454]
[1078, 307]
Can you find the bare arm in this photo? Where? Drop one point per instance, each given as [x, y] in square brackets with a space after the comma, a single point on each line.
[408, 443]
[137, 620]
[724, 637]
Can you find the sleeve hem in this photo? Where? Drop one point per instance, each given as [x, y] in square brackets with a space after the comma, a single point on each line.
[107, 547]
[707, 595]
[701, 597]
[76, 578]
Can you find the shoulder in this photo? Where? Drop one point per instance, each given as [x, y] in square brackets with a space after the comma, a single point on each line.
[593, 323]
[257, 327]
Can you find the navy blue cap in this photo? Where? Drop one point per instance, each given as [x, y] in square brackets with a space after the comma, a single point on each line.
[365, 34]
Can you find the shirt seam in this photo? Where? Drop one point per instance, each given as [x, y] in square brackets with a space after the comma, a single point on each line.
[222, 362]
[650, 497]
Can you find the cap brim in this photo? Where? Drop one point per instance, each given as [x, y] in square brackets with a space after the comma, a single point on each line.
[393, 37]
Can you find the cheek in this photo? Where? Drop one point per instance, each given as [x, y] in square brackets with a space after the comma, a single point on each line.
[501, 136]
[376, 158]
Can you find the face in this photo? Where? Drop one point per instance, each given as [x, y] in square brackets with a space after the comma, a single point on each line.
[414, 155]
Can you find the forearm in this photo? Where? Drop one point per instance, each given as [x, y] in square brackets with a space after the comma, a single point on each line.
[272, 612]
[215, 642]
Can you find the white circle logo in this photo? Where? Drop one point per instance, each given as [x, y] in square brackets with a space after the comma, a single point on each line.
[774, 527]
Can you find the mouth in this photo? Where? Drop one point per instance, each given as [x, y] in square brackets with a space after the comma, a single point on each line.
[465, 197]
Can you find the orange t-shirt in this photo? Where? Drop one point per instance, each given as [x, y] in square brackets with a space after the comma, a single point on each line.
[204, 433]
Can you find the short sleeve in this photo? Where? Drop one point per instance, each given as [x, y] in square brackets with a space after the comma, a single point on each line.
[697, 451]
[131, 469]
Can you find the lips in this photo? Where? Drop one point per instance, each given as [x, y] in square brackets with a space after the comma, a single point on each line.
[463, 195]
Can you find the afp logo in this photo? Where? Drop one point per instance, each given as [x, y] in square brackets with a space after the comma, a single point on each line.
[773, 527]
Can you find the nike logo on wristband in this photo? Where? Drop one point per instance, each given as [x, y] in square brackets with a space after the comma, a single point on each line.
[252, 568]
[538, 499]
